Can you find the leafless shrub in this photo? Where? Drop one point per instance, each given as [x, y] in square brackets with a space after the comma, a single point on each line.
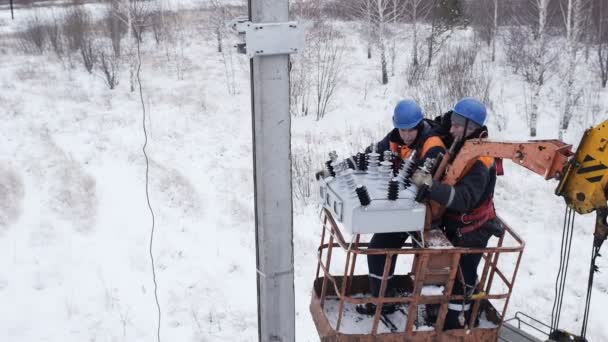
[109, 66]
[454, 70]
[89, 53]
[301, 79]
[306, 9]
[76, 27]
[328, 55]
[32, 39]
[316, 72]
[517, 52]
[161, 23]
[305, 161]
[457, 75]
[300, 82]
[55, 36]
[415, 73]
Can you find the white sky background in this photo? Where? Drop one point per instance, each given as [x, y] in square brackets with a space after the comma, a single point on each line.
[74, 222]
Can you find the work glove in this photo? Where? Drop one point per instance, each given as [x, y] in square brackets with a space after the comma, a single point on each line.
[321, 174]
[422, 177]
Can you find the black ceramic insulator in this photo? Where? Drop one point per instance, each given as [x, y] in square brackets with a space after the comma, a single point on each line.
[361, 161]
[397, 163]
[363, 195]
[408, 175]
[393, 190]
[330, 168]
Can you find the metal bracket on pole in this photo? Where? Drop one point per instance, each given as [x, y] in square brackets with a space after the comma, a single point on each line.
[266, 39]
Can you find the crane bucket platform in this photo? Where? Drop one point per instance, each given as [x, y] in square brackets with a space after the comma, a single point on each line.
[423, 294]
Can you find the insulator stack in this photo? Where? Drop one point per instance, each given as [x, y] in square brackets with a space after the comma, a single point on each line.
[393, 189]
[386, 172]
[347, 179]
[397, 164]
[407, 170]
[372, 165]
[388, 156]
[361, 161]
[363, 195]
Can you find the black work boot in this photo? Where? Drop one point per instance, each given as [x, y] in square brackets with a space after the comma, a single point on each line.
[370, 308]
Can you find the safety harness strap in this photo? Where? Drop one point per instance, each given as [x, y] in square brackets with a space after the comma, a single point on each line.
[476, 218]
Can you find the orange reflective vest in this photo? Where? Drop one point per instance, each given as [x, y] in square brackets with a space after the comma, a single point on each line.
[404, 151]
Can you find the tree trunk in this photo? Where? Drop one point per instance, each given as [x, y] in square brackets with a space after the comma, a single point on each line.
[494, 30]
[573, 24]
[534, 111]
[384, 66]
[218, 34]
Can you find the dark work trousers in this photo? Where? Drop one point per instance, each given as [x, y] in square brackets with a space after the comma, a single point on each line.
[468, 267]
[375, 263]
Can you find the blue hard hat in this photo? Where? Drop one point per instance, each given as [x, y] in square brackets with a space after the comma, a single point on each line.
[471, 109]
[407, 115]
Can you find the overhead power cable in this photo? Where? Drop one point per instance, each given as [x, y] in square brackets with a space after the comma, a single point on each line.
[143, 106]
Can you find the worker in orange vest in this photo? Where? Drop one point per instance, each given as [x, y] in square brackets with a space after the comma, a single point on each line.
[469, 218]
[411, 133]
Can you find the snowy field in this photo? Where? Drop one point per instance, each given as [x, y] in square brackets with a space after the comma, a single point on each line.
[75, 226]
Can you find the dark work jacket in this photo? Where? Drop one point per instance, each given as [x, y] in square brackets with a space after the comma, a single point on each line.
[475, 187]
[428, 144]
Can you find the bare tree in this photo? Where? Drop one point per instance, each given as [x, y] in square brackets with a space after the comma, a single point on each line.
[494, 30]
[416, 11]
[218, 17]
[599, 24]
[378, 15]
[445, 16]
[527, 47]
[573, 20]
[115, 25]
[540, 64]
[135, 15]
[484, 19]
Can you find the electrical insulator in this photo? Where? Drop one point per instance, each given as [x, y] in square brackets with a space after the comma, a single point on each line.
[407, 170]
[361, 161]
[363, 195]
[393, 189]
[330, 168]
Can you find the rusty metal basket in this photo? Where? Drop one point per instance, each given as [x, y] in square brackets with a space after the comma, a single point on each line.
[436, 263]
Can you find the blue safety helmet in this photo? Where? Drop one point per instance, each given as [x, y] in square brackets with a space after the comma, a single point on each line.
[407, 115]
[471, 109]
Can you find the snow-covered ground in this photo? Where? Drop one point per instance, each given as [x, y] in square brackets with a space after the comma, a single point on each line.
[75, 226]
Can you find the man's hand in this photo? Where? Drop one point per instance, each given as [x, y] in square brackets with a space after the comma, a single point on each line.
[321, 174]
[421, 177]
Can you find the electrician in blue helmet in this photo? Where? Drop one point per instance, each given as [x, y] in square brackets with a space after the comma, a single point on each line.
[469, 218]
[411, 132]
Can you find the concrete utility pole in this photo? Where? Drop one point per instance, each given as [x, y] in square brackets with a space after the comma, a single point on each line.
[272, 183]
